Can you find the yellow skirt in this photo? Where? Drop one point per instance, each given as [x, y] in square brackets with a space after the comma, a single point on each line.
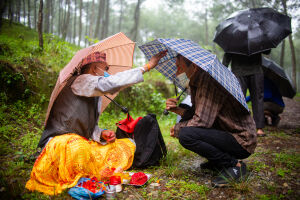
[67, 158]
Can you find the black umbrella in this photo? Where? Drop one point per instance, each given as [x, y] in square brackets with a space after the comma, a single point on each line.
[278, 76]
[252, 31]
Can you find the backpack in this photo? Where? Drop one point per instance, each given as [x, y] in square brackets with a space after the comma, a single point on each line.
[150, 145]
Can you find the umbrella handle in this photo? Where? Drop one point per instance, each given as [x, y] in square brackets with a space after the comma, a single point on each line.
[124, 109]
[166, 112]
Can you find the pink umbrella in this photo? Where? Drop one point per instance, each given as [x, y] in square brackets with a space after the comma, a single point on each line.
[119, 56]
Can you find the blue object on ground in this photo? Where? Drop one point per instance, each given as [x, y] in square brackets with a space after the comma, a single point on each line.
[81, 193]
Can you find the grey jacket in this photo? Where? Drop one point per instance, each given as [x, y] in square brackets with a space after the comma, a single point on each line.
[77, 107]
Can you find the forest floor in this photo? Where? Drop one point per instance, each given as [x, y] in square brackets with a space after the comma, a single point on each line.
[274, 170]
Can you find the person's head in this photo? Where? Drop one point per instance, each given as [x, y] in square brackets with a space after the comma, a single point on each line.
[185, 66]
[96, 68]
[94, 64]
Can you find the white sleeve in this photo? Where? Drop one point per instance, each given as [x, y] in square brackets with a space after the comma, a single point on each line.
[90, 86]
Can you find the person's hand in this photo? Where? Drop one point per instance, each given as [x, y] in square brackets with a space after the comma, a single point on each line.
[171, 104]
[155, 59]
[108, 135]
[172, 131]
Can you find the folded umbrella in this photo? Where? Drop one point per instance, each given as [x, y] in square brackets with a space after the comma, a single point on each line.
[201, 57]
[118, 50]
[278, 76]
[252, 31]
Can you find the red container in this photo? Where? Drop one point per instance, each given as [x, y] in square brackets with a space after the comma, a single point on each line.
[115, 180]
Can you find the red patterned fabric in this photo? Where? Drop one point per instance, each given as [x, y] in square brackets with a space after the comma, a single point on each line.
[93, 58]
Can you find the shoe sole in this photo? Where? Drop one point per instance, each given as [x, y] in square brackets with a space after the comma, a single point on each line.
[220, 185]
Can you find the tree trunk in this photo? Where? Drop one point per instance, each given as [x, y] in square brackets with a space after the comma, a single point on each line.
[3, 4]
[121, 15]
[10, 12]
[106, 24]
[18, 11]
[34, 8]
[98, 20]
[66, 20]
[293, 62]
[24, 12]
[59, 18]
[47, 16]
[86, 25]
[102, 20]
[28, 14]
[294, 66]
[80, 24]
[92, 19]
[206, 28]
[136, 19]
[74, 28]
[282, 54]
[40, 25]
[52, 6]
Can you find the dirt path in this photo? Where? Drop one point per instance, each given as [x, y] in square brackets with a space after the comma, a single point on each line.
[290, 118]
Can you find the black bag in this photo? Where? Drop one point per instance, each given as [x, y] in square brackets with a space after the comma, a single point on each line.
[150, 145]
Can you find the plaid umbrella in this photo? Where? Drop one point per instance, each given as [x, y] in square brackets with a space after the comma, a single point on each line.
[201, 57]
[118, 50]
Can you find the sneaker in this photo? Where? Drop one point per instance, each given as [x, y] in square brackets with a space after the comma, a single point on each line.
[210, 166]
[230, 174]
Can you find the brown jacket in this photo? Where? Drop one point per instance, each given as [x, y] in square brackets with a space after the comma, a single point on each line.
[216, 108]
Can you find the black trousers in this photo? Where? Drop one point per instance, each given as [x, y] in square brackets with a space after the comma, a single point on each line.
[255, 83]
[217, 146]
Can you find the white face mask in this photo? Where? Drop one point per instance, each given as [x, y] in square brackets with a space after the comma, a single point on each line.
[183, 79]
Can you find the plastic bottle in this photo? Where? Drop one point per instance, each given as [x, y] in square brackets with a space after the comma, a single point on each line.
[116, 181]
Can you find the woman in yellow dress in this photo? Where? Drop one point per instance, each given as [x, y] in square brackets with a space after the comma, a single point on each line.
[73, 145]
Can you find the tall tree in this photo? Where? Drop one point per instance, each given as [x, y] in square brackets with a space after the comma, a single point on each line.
[121, 15]
[52, 6]
[34, 13]
[87, 23]
[28, 14]
[106, 23]
[282, 53]
[10, 12]
[40, 25]
[24, 12]
[2, 10]
[80, 23]
[18, 11]
[75, 16]
[136, 19]
[99, 18]
[66, 20]
[47, 17]
[206, 27]
[59, 18]
[91, 18]
[294, 67]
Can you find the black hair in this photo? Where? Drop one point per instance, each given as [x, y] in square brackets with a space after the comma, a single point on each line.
[187, 61]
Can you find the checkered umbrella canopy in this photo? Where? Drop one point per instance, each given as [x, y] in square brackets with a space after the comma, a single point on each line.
[201, 57]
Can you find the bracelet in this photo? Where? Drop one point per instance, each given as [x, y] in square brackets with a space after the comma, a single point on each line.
[148, 66]
[142, 68]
